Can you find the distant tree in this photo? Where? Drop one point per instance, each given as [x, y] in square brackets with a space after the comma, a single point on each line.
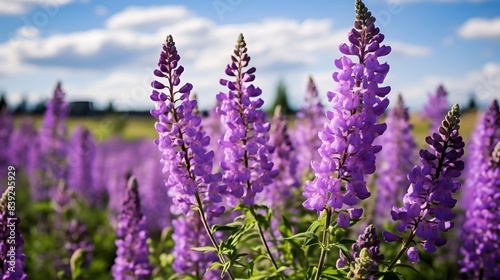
[3, 102]
[22, 108]
[110, 109]
[472, 105]
[40, 107]
[281, 99]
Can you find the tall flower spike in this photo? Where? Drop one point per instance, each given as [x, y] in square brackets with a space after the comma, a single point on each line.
[397, 159]
[428, 203]
[246, 165]
[482, 143]
[81, 157]
[436, 107]
[6, 128]
[52, 152]
[347, 150]
[11, 249]
[480, 232]
[132, 255]
[310, 120]
[181, 140]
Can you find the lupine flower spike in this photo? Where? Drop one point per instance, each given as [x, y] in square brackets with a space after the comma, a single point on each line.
[132, 255]
[436, 107]
[397, 160]
[428, 203]
[11, 250]
[246, 167]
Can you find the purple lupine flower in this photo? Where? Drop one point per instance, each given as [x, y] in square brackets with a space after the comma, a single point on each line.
[368, 239]
[80, 158]
[22, 145]
[6, 127]
[189, 233]
[483, 139]
[51, 164]
[247, 168]
[428, 203]
[214, 128]
[436, 108]
[481, 231]
[11, 254]
[310, 120]
[284, 158]
[347, 149]
[397, 159]
[132, 255]
[182, 142]
[77, 237]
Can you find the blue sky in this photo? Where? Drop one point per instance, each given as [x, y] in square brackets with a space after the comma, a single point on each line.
[106, 50]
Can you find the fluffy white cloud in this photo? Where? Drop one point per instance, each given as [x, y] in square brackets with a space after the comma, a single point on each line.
[475, 28]
[405, 49]
[19, 7]
[147, 17]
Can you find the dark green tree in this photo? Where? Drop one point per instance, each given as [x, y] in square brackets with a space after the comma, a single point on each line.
[281, 99]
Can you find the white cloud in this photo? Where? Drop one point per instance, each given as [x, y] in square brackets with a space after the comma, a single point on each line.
[483, 28]
[147, 17]
[409, 50]
[101, 10]
[19, 7]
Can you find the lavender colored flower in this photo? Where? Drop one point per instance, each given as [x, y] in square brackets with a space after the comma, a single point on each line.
[483, 139]
[51, 164]
[397, 159]
[347, 150]
[284, 158]
[181, 140]
[481, 231]
[428, 203]
[81, 156]
[189, 233]
[77, 237]
[214, 128]
[367, 240]
[11, 254]
[132, 255]
[6, 127]
[310, 120]
[21, 145]
[436, 108]
[247, 167]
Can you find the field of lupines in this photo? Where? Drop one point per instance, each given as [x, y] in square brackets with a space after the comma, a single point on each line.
[339, 191]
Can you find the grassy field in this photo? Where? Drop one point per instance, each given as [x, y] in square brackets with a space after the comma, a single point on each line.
[133, 127]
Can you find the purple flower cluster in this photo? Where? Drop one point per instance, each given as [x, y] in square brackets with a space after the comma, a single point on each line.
[11, 253]
[480, 232]
[436, 108]
[427, 205]
[81, 156]
[182, 142]
[132, 255]
[368, 239]
[22, 146]
[347, 150]
[247, 168]
[397, 159]
[486, 134]
[310, 120]
[284, 158]
[77, 237]
[6, 128]
[52, 153]
[189, 233]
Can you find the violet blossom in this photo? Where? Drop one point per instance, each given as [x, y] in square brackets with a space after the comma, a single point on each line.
[182, 142]
[436, 108]
[6, 128]
[310, 120]
[132, 255]
[396, 160]
[11, 253]
[247, 167]
[81, 157]
[428, 203]
[347, 150]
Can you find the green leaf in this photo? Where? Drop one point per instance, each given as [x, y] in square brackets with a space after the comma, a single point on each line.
[409, 267]
[302, 235]
[204, 249]
[344, 250]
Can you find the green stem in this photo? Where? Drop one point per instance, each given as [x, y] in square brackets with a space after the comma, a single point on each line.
[222, 258]
[403, 249]
[325, 242]
[263, 238]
